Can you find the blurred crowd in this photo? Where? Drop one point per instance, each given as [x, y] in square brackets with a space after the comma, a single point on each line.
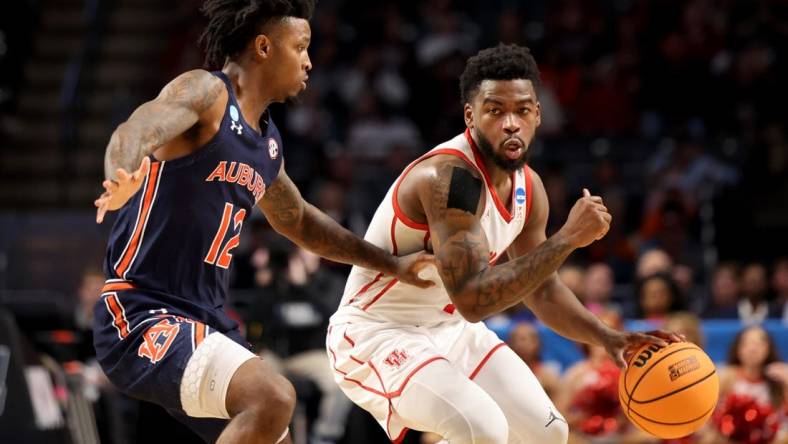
[669, 109]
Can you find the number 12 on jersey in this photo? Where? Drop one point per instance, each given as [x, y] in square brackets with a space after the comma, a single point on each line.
[223, 258]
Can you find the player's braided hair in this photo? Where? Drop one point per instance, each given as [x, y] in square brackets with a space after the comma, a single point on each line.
[232, 23]
[502, 62]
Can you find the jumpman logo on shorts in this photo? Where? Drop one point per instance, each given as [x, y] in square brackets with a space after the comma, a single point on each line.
[553, 417]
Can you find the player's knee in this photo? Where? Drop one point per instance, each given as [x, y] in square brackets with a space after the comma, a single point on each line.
[279, 397]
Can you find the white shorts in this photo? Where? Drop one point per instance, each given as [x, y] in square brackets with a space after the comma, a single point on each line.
[373, 362]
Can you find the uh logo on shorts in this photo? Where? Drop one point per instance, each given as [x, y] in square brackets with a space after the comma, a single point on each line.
[157, 340]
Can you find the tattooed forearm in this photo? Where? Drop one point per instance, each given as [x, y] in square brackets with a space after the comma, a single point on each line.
[325, 237]
[503, 286]
[313, 230]
[462, 253]
[175, 110]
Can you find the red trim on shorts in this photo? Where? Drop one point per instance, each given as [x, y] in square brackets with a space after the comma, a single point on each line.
[355, 381]
[380, 294]
[347, 338]
[118, 313]
[407, 379]
[116, 286]
[486, 358]
[395, 202]
[401, 436]
[507, 216]
[199, 333]
[528, 193]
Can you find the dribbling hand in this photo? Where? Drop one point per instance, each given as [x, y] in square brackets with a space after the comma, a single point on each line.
[620, 344]
[118, 192]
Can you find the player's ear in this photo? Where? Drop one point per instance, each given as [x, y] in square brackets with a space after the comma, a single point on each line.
[538, 114]
[467, 113]
[262, 46]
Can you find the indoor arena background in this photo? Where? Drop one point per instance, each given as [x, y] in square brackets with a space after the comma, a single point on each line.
[672, 110]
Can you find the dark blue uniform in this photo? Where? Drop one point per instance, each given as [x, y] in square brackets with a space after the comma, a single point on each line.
[169, 255]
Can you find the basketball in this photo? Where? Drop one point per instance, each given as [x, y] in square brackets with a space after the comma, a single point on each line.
[670, 391]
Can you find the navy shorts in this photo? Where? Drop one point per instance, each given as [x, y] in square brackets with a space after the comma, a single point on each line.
[144, 355]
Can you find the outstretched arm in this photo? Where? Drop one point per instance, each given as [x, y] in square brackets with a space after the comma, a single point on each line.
[555, 305]
[313, 230]
[184, 102]
[449, 195]
[552, 302]
[180, 105]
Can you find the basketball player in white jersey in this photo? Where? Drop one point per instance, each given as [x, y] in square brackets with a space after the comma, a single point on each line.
[419, 358]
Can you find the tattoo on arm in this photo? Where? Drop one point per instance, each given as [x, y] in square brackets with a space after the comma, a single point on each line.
[313, 230]
[462, 253]
[177, 108]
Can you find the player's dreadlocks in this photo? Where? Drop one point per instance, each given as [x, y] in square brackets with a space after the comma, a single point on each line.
[503, 62]
[232, 23]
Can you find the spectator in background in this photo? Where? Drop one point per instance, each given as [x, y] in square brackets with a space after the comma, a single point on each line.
[598, 288]
[779, 308]
[524, 340]
[753, 389]
[753, 306]
[657, 296]
[687, 324]
[653, 261]
[723, 293]
[573, 276]
[289, 323]
[589, 393]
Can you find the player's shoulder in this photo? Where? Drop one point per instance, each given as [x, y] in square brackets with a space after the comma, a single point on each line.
[198, 86]
[441, 166]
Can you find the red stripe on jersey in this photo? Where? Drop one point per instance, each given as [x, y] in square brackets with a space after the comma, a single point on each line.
[504, 212]
[142, 220]
[394, 235]
[529, 197]
[395, 201]
[382, 292]
[365, 288]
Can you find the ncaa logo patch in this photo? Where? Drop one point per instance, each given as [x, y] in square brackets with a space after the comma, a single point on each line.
[519, 196]
[234, 125]
[273, 149]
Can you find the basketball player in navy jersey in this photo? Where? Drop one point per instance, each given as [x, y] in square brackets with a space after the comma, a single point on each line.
[186, 171]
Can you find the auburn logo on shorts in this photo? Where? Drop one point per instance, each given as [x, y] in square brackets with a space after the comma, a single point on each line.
[157, 340]
[396, 358]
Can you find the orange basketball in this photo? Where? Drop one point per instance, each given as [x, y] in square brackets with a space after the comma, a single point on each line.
[670, 391]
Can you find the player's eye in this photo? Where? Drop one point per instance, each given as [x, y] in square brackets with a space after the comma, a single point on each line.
[494, 111]
[524, 110]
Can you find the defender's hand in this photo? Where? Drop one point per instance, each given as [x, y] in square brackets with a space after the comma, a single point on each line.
[621, 343]
[408, 268]
[118, 192]
[588, 221]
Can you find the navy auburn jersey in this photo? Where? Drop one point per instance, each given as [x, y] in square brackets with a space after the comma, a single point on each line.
[175, 238]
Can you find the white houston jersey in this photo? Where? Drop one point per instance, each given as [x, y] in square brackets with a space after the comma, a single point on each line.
[374, 296]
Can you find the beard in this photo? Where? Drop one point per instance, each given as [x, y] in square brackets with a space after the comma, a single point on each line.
[510, 165]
